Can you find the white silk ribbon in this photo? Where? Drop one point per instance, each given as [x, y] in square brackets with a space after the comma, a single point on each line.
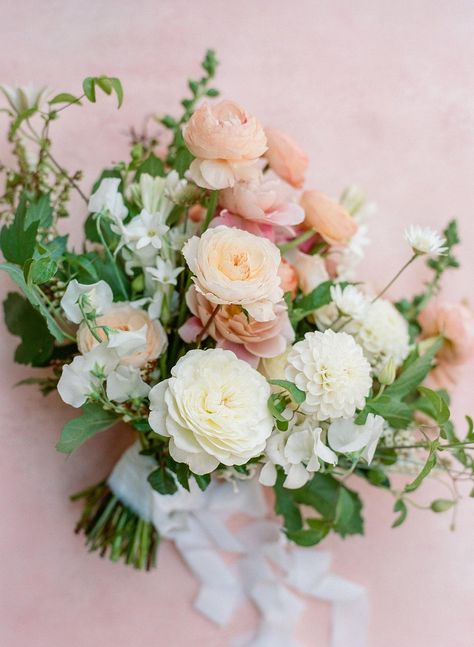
[267, 569]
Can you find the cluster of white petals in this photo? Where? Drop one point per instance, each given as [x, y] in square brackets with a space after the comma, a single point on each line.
[350, 301]
[331, 369]
[108, 199]
[214, 410]
[424, 240]
[346, 437]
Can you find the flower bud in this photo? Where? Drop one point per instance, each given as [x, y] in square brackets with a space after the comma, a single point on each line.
[388, 373]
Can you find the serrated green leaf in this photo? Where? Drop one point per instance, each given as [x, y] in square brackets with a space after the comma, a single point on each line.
[41, 270]
[152, 166]
[297, 395]
[18, 239]
[17, 275]
[40, 211]
[162, 480]
[75, 432]
[23, 320]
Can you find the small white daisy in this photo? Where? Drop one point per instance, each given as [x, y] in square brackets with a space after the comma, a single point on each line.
[350, 301]
[424, 240]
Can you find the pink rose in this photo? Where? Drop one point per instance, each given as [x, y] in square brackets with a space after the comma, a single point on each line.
[327, 217]
[286, 158]
[124, 318]
[247, 338]
[226, 141]
[455, 322]
[266, 203]
[311, 270]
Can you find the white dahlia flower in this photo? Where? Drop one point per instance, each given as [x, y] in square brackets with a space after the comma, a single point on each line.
[331, 369]
[383, 334]
[214, 409]
[424, 240]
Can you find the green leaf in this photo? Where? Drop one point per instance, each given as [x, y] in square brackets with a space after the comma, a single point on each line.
[78, 430]
[26, 114]
[18, 239]
[64, 97]
[117, 86]
[438, 410]
[401, 508]
[104, 84]
[162, 480]
[470, 429]
[41, 271]
[286, 506]
[203, 480]
[297, 395]
[23, 320]
[397, 413]
[152, 166]
[312, 536]
[88, 85]
[442, 505]
[348, 520]
[17, 275]
[415, 373]
[182, 474]
[428, 466]
[40, 211]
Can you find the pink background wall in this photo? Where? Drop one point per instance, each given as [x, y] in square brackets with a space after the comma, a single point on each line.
[379, 93]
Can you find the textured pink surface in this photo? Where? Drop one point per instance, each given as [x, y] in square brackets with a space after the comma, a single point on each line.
[379, 93]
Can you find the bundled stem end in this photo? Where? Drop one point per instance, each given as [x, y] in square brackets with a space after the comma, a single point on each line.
[114, 530]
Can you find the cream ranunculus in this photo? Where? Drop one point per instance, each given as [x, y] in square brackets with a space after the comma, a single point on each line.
[214, 410]
[136, 338]
[232, 266]
[226, 141]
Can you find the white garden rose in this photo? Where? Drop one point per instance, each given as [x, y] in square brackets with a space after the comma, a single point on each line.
[232, 266]
[214, 409]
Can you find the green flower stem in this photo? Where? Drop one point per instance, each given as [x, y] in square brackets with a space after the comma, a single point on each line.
[111, 258]
[306, 235]
[54, 311]
[390, 283]
[92, 329]
[211, 208]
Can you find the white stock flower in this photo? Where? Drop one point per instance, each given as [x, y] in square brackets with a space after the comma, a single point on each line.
[213, 408]
[234, 267]
[383, 334]
[22, 98]
[424, 240]
[164, 273]
[144, 229]
[108, 198]
[125, 383]
[331, 369]
[349, 301]
[299, 453]
[80, 377]
[345, 437]
[96, 297]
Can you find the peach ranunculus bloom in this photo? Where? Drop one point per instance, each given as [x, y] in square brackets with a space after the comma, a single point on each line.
[455, 322]
[328, 218]
[234, 267]
[286, 158]
[247, 338]
[310, 268]
[226, 142]
[144, 339]
[266, 203]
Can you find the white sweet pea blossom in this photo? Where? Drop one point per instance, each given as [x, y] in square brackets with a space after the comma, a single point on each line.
[345, 437]
[350, 301]
[424, 240]
[81, 376]
[164, 273]
[125, 383]
[22, 98]
[144, 230]
[127, 342]
[96, 297]
[299, 453]
[108, 198]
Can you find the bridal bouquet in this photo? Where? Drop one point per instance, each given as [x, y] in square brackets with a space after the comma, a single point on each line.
[214, 307]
